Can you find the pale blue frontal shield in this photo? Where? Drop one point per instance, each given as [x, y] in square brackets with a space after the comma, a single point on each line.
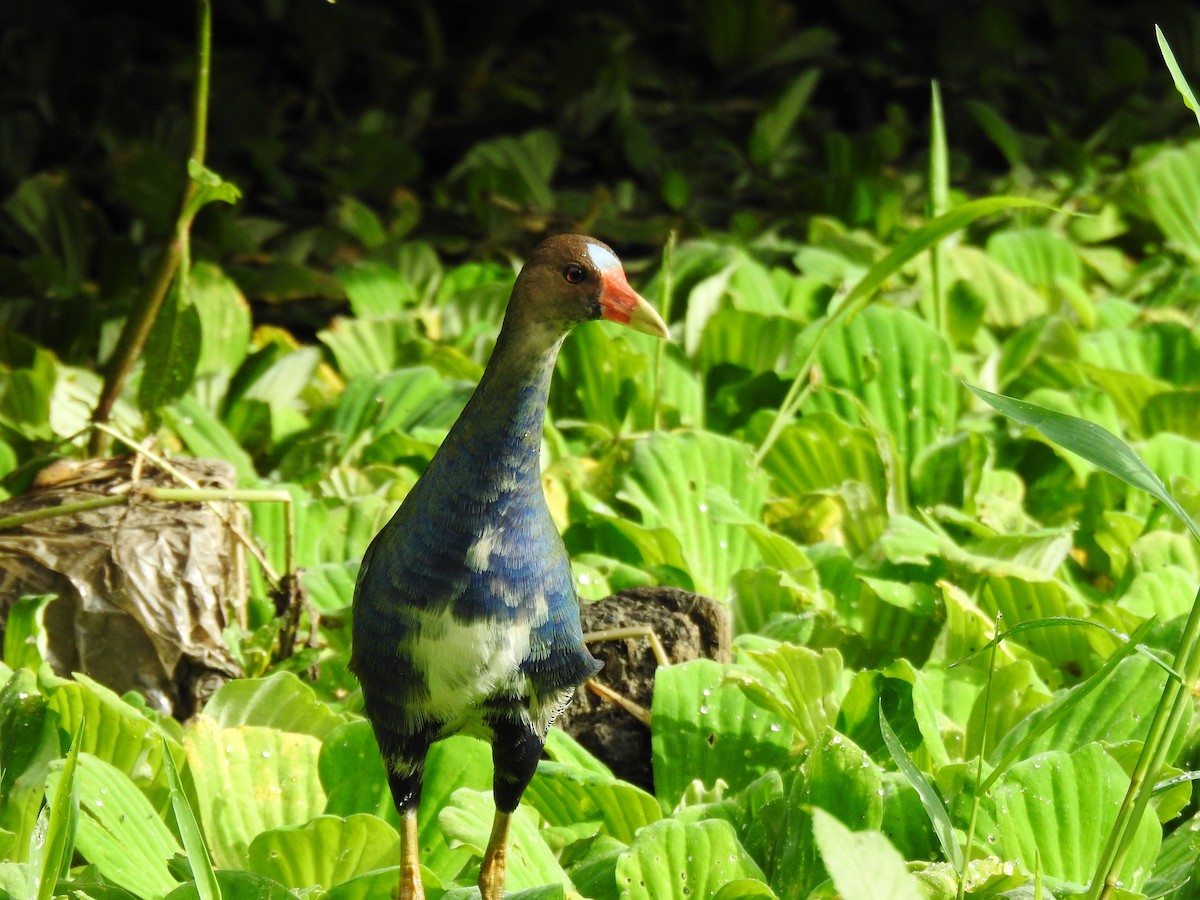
[602, 258]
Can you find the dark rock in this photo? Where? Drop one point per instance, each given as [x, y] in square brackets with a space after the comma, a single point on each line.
[690, 626]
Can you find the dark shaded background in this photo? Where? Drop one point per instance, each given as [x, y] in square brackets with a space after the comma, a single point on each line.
[652, 107]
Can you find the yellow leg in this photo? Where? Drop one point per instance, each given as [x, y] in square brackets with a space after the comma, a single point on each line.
[410, 861]
[495, 859]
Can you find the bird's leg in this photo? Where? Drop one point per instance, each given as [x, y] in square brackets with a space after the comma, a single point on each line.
[404, 778]
[410, 863]
[495, 859]
[516, 749]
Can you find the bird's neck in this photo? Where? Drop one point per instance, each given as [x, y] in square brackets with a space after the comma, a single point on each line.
[505, 415]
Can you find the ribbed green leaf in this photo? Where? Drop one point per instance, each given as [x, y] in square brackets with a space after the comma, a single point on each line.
[838, 777]
[800, 461]
[457, 762]
[375, 289]
[1116, 710]
[1170, 186]
[119, 831]
[371, 346]
[1055, 809]
[667, 480]
[566, 796]
[249, 779]
[672, 860]
[898, 367]
[110, 729]
[467, 820]
[1040, 256]
[280, 701]
[704, 729]
[808, 683]
[325, 851]
[1019, 600]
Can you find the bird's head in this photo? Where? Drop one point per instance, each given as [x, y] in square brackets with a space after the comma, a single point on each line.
[570, 279]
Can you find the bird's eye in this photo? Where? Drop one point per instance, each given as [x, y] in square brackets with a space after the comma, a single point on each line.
[574, 274]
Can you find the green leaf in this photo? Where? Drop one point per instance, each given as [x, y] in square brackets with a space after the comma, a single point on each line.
[863, 864]
[1008, 300]
[25, 640]
[939, 817]
[205, 435]
[249, 779]
[776, 122]
[922, 239]
[898, 369]
[841, 779]
[172, 351]
[1093, 443]
[209, 187]
[372, 346]
[806, 688]
[53, 840]
[467, 820]
[705, 729]
[1038, 255]
[565, 796]
[119, 831]
[672, 860]
[111, 729]
[1055, 809]
[204, 876]
[238, 885]
[800, 461]
[667, 481]
[1109, 709]
[352, 773]
[1170, 186]
[1181, 84]
[1020, 600]
[457, 763]
[279, 701]
[225, 323]
[375, 289]
[325, 851]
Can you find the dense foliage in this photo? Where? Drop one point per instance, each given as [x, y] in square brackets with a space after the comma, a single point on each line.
[828, 476]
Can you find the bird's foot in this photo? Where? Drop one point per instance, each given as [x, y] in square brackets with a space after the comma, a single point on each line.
[491, 875]
[410, 883]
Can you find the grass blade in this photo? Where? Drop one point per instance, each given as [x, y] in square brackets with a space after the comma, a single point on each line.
[1065, 705]
[53, 840]
[1181, 85]
[189, 831]
[1097, 445]
[934, 808]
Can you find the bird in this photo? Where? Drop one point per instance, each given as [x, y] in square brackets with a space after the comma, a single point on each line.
[465, 615]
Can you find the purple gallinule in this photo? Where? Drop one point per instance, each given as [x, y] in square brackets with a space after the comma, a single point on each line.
[465, 612]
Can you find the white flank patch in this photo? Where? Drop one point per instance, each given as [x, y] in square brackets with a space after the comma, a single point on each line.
[602, 259]
[465, 662]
